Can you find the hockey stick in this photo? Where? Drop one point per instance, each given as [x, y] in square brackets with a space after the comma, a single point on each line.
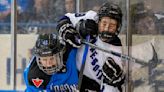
[123, 56]
[154, 62]
[83, 64]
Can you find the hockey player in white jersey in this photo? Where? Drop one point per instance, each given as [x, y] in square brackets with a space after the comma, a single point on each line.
[103, 72]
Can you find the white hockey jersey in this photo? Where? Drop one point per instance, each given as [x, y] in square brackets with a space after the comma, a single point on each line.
[95, 58]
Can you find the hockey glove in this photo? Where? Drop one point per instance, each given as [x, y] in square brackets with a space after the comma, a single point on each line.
[87, 27]
[68, 33]
[113, 74]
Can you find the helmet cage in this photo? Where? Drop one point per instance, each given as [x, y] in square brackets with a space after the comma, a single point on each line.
[54, 68]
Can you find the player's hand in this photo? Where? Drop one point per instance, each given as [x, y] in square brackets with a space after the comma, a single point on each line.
[72, 37]
[68, 33]
[87, 27]
[112, 72]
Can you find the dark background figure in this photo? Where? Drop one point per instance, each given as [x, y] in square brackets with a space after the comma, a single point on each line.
[5, 11]
[41, 16]
[143, 20]
[161, 25]
[70, 6]
[23, 15]
[93, 4]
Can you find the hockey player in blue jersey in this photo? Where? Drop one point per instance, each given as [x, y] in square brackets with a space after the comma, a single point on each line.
[52, 68]
[103, 71]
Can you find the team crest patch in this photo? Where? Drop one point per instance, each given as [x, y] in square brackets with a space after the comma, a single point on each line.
[37, 82]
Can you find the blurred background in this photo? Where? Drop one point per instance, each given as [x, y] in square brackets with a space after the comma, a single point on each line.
[141, 35]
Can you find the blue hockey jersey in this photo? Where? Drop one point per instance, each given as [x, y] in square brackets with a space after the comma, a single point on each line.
[37, 81]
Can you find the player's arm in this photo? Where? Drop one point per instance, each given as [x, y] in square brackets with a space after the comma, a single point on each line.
[73, 27]
[85, 23]
[67, 32]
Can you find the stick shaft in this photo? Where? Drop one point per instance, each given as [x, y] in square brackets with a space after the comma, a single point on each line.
[123, 56]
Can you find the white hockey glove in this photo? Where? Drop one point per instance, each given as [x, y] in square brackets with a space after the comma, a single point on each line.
[113, 74]
[68, 33]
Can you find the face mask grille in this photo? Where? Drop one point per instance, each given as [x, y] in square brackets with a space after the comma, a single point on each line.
[57, 63]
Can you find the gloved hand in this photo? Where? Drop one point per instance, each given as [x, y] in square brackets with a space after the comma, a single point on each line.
[87, 27]
[68, 33]
[113, 74]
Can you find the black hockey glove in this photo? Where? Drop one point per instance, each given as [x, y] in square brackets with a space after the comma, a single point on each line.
[68, 33]
[113, 74]
[87, 27]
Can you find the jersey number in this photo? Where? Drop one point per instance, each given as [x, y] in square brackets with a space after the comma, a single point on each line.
[79, 14]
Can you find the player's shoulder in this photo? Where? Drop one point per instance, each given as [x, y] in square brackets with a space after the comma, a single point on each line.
[76, 17]
[116, 41]
[34, 73]
[91, 15]
[91, 12]
[114, 44]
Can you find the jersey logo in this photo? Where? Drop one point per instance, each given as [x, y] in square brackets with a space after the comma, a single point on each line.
[37, 82]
